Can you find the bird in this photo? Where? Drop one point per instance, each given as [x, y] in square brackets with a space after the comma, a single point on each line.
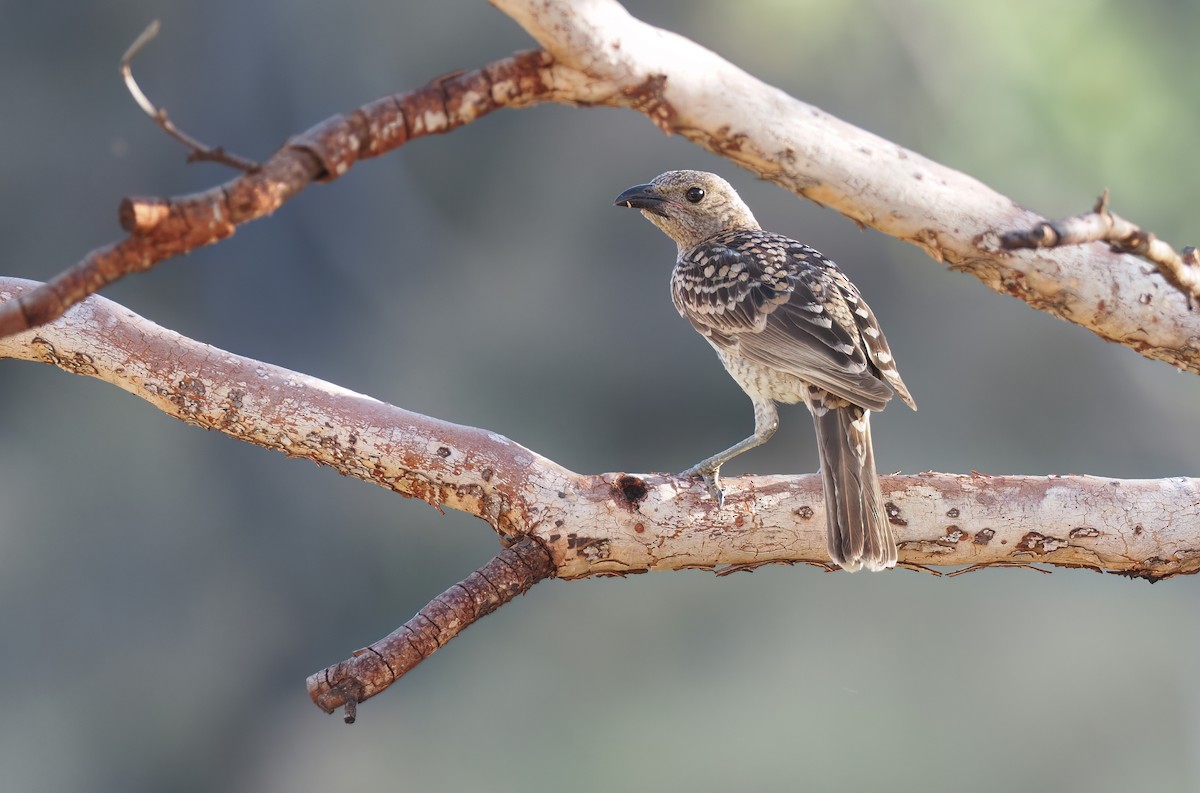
[789, 327]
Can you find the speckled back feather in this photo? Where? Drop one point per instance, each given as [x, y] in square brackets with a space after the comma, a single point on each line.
[782, 304]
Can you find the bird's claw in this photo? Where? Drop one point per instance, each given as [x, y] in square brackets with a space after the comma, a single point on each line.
[712, 482]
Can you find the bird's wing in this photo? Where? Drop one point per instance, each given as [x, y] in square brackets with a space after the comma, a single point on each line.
[781, 304]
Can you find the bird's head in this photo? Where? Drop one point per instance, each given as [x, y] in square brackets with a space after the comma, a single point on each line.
[689, 206]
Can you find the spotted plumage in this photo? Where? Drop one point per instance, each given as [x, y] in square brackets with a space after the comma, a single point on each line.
[789, 327]
[781, 304]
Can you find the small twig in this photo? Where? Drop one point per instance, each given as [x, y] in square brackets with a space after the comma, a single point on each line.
[372, 669]
[162, 228]
[197, 151]
[1182, 270]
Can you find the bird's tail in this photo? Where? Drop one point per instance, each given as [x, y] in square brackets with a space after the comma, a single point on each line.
[859, 534]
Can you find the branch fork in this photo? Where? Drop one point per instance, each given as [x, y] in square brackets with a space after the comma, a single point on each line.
[1181, 269]
[561, 524]
[558, 523]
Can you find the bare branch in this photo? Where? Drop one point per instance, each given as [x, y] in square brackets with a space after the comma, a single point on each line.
[560, 523]
[616, 523]
[372, 669]
[162, 228]
[605, 56]
[1182, 270]
[599, 55]
[141, 41]
[197, 151]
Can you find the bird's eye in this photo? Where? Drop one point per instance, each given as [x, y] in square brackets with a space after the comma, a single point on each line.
[695, 194]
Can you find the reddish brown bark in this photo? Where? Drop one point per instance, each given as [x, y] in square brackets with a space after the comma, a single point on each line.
[372, 669]
[162, 228]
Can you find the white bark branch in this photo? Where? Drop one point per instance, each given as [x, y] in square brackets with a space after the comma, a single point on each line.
[1101, 225]
[605, 56]
[614, 523]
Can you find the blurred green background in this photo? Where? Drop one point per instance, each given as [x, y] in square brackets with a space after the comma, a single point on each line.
[164, 591]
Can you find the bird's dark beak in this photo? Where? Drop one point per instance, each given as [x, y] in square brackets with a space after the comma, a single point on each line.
[642, 196]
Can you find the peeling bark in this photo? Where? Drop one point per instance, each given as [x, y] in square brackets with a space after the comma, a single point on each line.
[617, 523]
[596, 54]
[555, 522]
[1181, 269]
[606, 56]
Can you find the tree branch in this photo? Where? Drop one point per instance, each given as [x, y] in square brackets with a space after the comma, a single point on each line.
[618, 523]
[372, 669]
[569, 525]
[197, 151]
[597, 54]
[688, 90]
[1182, 270]
[162, 228]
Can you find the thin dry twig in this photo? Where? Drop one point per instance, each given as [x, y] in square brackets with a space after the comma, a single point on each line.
[1181, 269]
[197, 151]
[162, 228]
[372, 669]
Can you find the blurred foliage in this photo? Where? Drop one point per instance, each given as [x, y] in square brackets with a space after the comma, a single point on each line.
[164, 591]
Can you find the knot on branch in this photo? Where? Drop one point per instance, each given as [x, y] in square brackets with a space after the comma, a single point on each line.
[1102, 225]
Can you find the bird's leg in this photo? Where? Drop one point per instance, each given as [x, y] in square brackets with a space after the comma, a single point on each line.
[766, 421]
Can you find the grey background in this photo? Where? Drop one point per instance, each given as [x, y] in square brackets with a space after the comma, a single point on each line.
[165, 591]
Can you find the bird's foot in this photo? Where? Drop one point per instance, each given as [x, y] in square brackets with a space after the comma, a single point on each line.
[712, 481]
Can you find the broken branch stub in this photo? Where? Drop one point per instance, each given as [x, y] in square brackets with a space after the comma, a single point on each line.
[372, 669]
